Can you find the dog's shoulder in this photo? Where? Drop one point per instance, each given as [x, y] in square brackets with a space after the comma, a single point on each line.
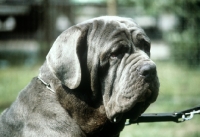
[35, 112]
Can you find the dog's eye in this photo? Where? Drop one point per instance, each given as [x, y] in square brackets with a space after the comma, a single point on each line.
[113, 56]
[118, 53]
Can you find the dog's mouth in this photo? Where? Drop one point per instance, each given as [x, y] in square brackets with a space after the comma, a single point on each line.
[133, 114]
[135, 111]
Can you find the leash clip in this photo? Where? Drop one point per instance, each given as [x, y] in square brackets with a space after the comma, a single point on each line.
[190, 115]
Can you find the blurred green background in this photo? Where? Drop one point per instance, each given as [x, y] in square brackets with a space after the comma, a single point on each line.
[28, 28]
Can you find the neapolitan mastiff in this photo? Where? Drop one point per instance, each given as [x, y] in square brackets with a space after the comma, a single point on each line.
[97, 74]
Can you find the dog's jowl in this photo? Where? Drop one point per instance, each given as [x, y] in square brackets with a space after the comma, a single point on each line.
[96, 75]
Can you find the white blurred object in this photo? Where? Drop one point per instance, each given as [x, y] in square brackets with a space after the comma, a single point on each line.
[145, 21]
[9, 24]
[159, 50]
[167, 22]
[62, 23]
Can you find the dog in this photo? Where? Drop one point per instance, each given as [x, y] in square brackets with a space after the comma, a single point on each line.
[96, 75]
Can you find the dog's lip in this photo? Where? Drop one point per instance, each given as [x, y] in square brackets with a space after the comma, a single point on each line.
[133, 114]
[136, 110]
[141, 105]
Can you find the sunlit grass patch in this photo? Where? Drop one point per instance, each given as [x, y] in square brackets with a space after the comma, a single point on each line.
[12, 81]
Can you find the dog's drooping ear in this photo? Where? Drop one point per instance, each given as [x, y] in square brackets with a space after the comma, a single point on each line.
[63, 59]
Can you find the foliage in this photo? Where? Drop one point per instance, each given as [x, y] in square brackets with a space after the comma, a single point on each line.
[184, 40]
[12, 80]
[185, 47]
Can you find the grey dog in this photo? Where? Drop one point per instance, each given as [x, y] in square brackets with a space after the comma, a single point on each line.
[96, 75]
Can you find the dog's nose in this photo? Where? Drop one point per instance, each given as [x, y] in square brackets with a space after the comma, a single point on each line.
[148, 71]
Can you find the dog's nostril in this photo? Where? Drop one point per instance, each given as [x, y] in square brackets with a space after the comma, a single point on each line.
[148, 70]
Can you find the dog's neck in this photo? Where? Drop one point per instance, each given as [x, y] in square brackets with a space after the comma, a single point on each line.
[47, 77]
[88, 111]
[89, 115]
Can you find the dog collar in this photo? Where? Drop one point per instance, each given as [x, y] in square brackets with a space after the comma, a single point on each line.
[46, 84]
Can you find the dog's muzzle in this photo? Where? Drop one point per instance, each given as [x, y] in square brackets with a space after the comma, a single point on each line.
[134, 89]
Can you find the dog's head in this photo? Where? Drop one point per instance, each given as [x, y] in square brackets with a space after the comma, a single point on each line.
[111, 56]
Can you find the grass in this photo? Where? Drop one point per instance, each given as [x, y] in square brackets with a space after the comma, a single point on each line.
[13, 80]
[179, 90]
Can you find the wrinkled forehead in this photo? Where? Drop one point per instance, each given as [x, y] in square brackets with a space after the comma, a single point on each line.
[109, 27]
[111, 23]
[107, 19]
[105, 32]
[128, 22]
